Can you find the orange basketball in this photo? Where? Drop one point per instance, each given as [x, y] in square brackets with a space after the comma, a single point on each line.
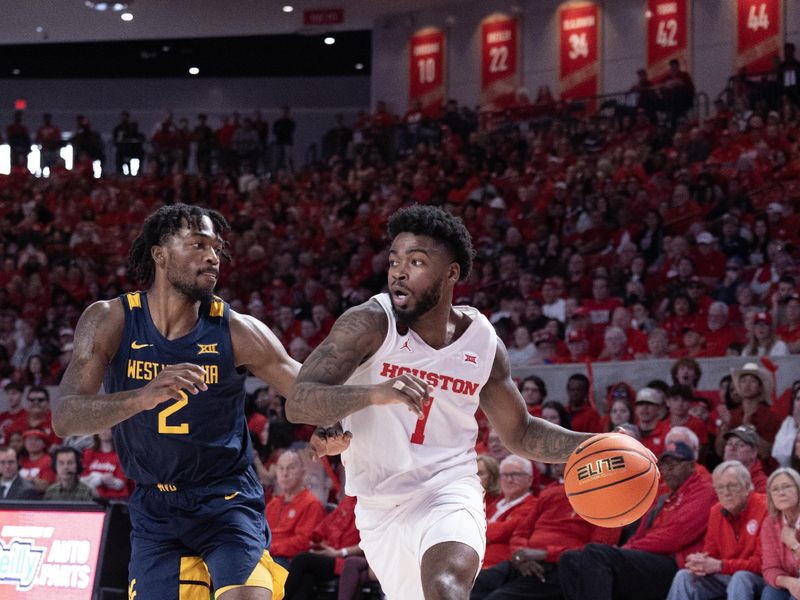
[611, 480]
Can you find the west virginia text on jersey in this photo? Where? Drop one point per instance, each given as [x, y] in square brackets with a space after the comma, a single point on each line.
[161, 445]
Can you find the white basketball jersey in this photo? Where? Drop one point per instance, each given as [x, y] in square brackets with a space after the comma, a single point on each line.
[393, 453]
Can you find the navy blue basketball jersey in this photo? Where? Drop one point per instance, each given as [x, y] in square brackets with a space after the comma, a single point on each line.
[198, 438]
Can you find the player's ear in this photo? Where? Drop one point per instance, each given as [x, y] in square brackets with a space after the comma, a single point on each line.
[454, 273]
[157, 254]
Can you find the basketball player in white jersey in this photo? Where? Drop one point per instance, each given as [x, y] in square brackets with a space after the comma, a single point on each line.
[405, 373]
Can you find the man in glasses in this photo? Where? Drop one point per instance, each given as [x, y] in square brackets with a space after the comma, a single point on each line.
[37, 416]
[741, 443]
[730, 563]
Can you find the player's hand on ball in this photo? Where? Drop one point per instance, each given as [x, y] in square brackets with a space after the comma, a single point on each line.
[330, 441]
[406, 389]
[172, 383]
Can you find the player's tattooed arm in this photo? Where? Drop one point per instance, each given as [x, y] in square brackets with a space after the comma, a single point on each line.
[319, 398]
[522, 434]
[79, 409]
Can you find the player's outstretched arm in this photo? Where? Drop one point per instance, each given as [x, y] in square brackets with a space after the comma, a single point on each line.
[79, 409]
[319, 397]
[256, 347]
[521, 433]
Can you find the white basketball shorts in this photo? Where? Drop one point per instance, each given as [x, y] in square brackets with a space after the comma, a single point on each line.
[394, 536]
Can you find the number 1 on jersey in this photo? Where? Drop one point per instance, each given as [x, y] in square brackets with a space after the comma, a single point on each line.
[418, 437]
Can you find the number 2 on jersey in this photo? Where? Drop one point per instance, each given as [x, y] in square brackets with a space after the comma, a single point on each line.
[418, 437]
[183, 428]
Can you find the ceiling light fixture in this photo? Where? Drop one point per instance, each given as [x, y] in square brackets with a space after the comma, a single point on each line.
[329, 41]
[287, 8]
[104, 6]
[359, 66]
[127, 17]
[194, 71]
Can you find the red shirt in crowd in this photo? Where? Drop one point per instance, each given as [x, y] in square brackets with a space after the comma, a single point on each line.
[553, 526]
[735, 540]
[293, 522]
[41, 468]
[585, 419]
[95, 461]
[338, 529]
[501, 522]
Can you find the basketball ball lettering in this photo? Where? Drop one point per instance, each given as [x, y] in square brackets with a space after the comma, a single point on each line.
[600, 466]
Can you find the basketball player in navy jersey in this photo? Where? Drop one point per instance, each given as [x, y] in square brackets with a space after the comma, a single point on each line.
[173, 361]
[405, 372]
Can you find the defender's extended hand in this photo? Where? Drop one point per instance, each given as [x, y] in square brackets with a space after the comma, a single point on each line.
[169, 383]
[330, 440]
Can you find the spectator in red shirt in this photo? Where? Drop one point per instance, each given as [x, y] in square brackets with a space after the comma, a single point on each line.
[37, 416]
[649, 406]
[679, 400]
[741, 443]
[780, 549]
[549, 529]
[583, 416]
[789, 333]
[578, 346]
[616, 345]
[516, 479]
[644, 567]
[14, 392]
[489, 474]
[333, 540]
[730, 563]
[601, 304]
[102, 470]
[719, 334]
[534, 392]
[753, 385]
[36, 464]
[295, 513]
[657, 345]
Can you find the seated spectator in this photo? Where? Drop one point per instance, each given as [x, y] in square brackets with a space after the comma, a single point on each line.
[295, 513]
[37, 416]
[730, 564]
[546, 344]
[620, 409]
[679, 400]
[753, 385]
[12, 486]
[534, 392]
[657, 345]
[719, 334]
[787, 434]
[615, 347]
[643, 568]
[583, 416]
[780, 548]
[522, 352]
[578, 346]
[789, 333]
[741, 443]
[15, 412]
[68, 486]
[762, 340]
[35, 463]
[333, 540]
[546, 531]
[648, 407]
[516, 478]
[489, 474]
[102, 470]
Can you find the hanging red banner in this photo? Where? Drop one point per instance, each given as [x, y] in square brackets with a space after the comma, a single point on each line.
[426, 69]
[500, 61]
[759, 34]
[579, 50]
[667, 35]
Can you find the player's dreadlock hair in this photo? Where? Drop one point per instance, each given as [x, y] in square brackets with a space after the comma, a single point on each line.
[435, 223]
[161, 224]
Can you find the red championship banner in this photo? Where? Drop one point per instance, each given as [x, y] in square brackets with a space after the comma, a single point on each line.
[500, 61]
[49, 554]
[759, 34]
[579, 50]
[426, 73]
[667, 35]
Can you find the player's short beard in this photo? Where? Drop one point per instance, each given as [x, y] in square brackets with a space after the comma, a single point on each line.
[192, 292]
[427, 300]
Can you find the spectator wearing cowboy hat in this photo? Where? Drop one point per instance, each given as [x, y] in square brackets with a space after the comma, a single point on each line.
[753, 385]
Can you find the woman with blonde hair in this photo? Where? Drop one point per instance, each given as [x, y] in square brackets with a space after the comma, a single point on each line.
[761, 340]
[489, 474]
[780, 563]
